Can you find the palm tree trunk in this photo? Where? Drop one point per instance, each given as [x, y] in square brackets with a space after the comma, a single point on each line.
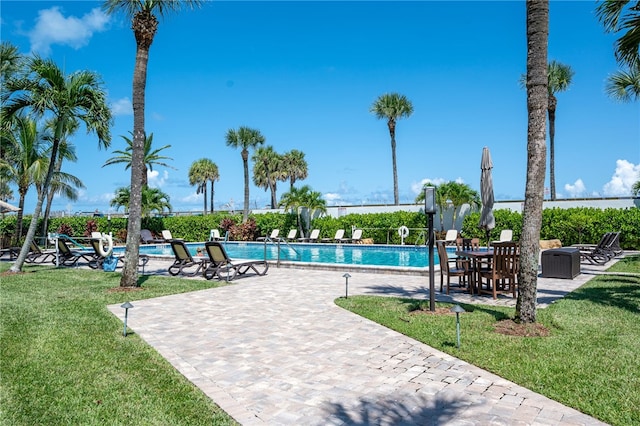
[31, 232]
[392, 133]
[204, 192]
[552, 134]
[19, 218]
[537, 103]
[245, 161]
[211, 203]
[131, 257]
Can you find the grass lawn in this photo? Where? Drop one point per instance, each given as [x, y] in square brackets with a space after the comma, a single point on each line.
[64, 361]
[590, 361]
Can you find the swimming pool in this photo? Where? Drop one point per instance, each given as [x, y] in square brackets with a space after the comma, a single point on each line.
[336, 254]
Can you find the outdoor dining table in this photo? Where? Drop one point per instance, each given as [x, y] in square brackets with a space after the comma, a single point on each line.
[476, 257]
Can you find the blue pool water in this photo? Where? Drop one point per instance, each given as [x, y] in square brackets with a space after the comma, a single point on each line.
[369, 255]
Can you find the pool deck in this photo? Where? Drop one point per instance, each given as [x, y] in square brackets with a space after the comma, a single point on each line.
[276, 350]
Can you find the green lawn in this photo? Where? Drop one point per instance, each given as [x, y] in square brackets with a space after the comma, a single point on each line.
[590, 361]
[64, 360]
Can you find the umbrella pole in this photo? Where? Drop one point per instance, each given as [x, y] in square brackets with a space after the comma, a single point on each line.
[488, 232]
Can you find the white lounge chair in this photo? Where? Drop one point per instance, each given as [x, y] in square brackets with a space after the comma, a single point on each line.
[312, 238]
[356, 237]
[451, 237]
[273, 236]
[214, 235]
[337, 238]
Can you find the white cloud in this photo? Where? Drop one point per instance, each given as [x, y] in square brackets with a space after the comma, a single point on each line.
[623, 178]
[416, 187]
[576, 190]
[332, 198]
[53, 28]
[122, 107]
[192, 198]
[155, 180]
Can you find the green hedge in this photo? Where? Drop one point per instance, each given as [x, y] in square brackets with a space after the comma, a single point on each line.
[571, 226]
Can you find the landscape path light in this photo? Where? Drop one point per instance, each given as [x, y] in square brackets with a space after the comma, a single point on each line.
[346, 285]
[126, 306]
[430, 210]
[458, 310]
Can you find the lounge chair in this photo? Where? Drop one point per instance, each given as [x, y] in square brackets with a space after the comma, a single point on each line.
[452, 267]
[68, 257]
[450, 237]
[184, 263]
[13, 252]
[166, 234]
[356, 237]
[291, 236]
[505, 235]
[97, 259]
[312, 238]
[337, 238]
[35, 255]
[214, 235]
[273, 236]
[147, 237]
[600, 253]
[221, 266]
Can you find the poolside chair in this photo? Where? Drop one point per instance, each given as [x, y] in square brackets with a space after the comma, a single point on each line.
[450, 237]
[356, 237]
[184, 263]
[291, 236]
[13, 252]
[166, 234]
[221, 266]
[502, 275]
[505, 235]
[338, 237]
[68, 257]
[97, 260]
[35, 255]
[147, 237]
[273, 236]
[214, 235]
[312, 238]
[452, 268]
[600, 253]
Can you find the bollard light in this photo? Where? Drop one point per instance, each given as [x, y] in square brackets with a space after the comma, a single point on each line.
[458, 310]
[126, 306]
[346, 285]
[430, 210]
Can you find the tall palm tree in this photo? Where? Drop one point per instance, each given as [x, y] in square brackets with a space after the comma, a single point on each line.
[11, 65]
[25, 161]
[78, 96]
[619, 16]
[295, 166]
[245, 138]
[153, 200]
[201, 172]
[144, 24]
[559, 76]
[537, 99]
[625, 85]
[150, 157]
[392, 107]
[268, 170]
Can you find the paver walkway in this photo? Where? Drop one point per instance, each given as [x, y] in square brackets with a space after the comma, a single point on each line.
[276, 350]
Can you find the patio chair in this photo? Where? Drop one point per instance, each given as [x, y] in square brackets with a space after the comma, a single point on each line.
[97, 259]
[337, 238]
[356, 237]
[450, 237]
[452, 267]
[222, 267]
[600, 253]
[166, 235]
[273, 236]
[502, 275]
[291, 236]
[312, 238]
[184, 263]
[35, 255]
[214, 235]
[505, 235]
[68, 257]
[147, 237]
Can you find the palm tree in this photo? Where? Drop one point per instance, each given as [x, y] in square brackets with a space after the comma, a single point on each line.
[537, 100]
[635, 189]
[392, 107]
[295, 166]
[11, 65]
[618, 16]
[150, 156]
[202, 171]
[245, 138]
[460, 194]
[145, 25]
[78, 96]
[623, 85]
[268, 170]
[153, 200]
[559, 76]
[294, 200]
[441, 198]
[25, 161]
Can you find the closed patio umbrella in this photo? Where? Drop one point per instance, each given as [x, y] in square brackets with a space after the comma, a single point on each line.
[6, 207]
[487, 221]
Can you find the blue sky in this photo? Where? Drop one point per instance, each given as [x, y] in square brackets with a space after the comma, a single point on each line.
[306, 73]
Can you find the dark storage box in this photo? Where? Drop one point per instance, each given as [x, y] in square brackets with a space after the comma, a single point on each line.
[561, 263]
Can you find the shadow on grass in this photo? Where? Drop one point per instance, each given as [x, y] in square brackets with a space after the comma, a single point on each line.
[416, 410]
[621, 292]
[393, 290]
